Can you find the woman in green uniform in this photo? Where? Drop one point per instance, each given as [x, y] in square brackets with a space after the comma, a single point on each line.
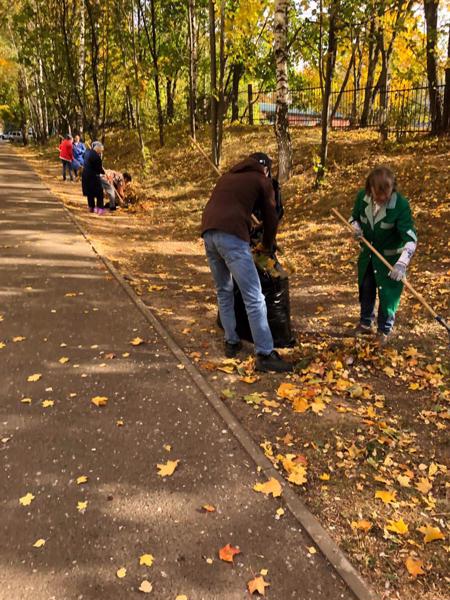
[383, 216]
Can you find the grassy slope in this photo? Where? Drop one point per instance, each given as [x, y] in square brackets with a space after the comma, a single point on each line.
[382, 414]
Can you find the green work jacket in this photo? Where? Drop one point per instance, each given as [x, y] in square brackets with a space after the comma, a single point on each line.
[388, 231]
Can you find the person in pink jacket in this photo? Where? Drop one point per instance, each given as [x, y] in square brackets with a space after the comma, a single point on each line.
[66, 156]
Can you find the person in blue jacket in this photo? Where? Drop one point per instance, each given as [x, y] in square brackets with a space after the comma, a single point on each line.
[79, 150]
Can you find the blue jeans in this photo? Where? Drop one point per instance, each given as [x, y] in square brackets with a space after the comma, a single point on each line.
[230, 257]
[367, 298]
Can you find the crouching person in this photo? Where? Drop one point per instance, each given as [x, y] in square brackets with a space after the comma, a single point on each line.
[226, 226]
[114, 185]
[383, 216]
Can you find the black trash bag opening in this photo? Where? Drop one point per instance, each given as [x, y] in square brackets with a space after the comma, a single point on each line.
[276, 294]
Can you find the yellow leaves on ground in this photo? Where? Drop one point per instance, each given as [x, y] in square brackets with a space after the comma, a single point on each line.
[414, 566]
[34, 377]
[362, 525]
[324, 477]
[404, 480]
[27, 499]
[47, 403]
[26, 400]
[137, 341]
[209, 508]
[257, 584]
[99, 400]
[82, 506]
[287, 391]
[424, 485]
[82, 479]
[431, 533]
[385, 496]
[181, 597]
[228, 552]
[146, 560]
[121, 573]
[145, 587]
[63, 360]
[399, 527]
[272, 486]
[295, 467]
[19, 338]
[167, 469]
[39, 543]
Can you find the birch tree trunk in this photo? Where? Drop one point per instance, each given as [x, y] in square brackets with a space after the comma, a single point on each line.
[282, 95]
[193, 66]
[136, 85]
[446, 110]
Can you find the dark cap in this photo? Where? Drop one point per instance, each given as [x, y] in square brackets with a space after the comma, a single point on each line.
[262, 158]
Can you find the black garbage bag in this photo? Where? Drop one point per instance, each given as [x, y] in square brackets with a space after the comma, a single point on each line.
[276, 293]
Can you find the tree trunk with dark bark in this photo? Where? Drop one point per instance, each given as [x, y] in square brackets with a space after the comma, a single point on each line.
[431, 19]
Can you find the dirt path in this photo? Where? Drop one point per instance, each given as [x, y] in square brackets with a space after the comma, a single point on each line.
[363, 421]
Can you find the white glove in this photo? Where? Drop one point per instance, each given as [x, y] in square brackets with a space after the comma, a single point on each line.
[357, 231]
[399, 271]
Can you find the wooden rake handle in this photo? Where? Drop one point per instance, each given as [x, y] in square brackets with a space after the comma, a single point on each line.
[418, 296]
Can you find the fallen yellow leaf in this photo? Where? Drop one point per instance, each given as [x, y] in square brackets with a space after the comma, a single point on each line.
[137, 341]
[300, 405]
[404, 480]
[324, 477]
[99, 400]
[63, 360]
[272, 486]
[82, 506]
[121, 573]
[399, 527]
[181, 597]
[424, 485]
[19, 338]
[145, 587]
[363, 525]
[47, 403]
[82, 479]
[385, 496]
[414, 566]
[27, 499]
[34, 377]
[39, 543]
[431, 533]
[312, 550]
[257, 585]
[209, 508]
[167, 469]
[146, 559]
[26, 400]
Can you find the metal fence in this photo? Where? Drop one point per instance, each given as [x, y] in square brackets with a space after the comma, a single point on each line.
[407, 109]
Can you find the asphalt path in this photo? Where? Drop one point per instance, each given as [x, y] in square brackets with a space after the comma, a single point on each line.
[64, 317]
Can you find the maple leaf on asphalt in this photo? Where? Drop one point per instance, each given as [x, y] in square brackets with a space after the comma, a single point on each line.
[34, 377]
[27, 499]
[257, 584]
[228, 552]
[272, 486]
[145, 587]
[167, 469]
[99, 400]
[146, 560]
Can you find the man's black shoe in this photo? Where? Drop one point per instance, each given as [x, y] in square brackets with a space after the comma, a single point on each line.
[272, 362]
[232, 349]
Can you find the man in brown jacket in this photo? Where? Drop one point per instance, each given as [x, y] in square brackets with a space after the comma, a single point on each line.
[226, 226]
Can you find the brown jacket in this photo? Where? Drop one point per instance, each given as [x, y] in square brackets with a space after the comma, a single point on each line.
[235, 196]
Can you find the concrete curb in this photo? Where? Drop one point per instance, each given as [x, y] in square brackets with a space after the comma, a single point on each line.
[306, 519]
